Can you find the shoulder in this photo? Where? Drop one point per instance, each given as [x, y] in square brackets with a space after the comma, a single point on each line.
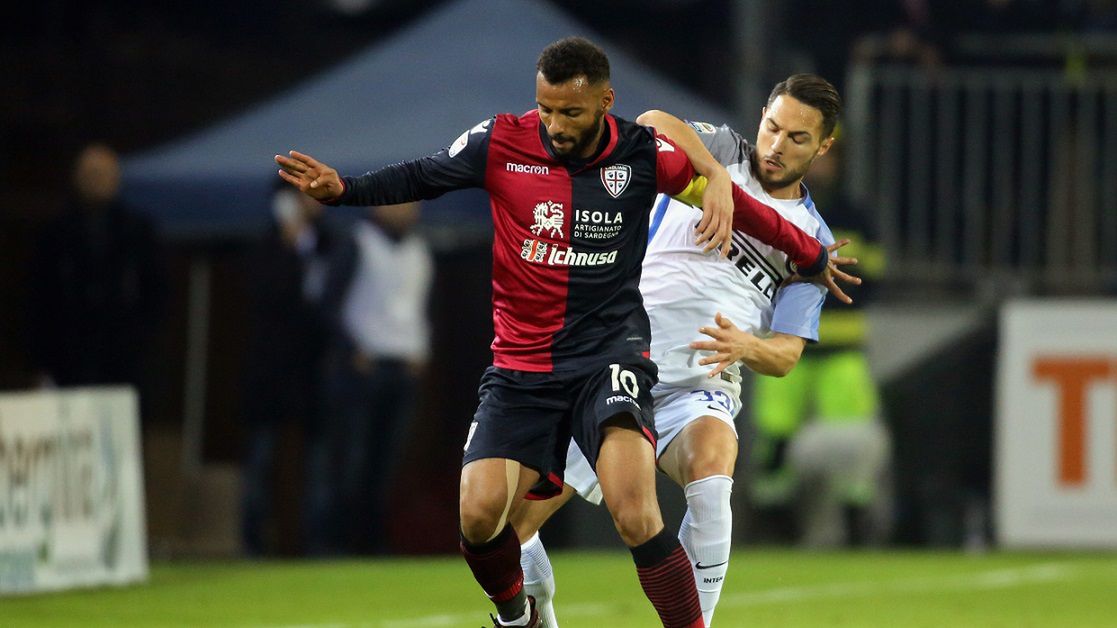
[822, 230]
[482, 128]
[638, 140]
[727, 145]
[734, 142]
[506, 127]
[528, 121]
[529, 118]
[628, 130]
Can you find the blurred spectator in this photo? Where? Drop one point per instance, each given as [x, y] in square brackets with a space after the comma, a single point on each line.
[822, 449]
[833, 34]
[292, 268]
[375, 363]
[913, 37]
[97, 283]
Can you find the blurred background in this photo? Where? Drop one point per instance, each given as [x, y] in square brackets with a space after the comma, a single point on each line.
[143, 242]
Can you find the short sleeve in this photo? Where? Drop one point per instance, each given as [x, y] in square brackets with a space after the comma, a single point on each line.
[673, 169]
[798, 307]
[726, 145]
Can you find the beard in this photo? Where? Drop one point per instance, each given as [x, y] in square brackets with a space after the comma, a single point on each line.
[778, 181]
[581, 144]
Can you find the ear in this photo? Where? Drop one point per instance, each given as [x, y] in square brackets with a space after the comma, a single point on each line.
[825, 147]
[608, 99]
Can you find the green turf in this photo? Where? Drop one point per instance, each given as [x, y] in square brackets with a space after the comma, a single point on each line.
[598, 590]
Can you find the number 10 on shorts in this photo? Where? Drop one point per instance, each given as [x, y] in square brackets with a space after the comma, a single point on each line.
[624, 378]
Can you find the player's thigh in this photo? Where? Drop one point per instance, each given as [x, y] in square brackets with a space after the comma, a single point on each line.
[613, 427]
[706, 447]
[625, 465]
[617, 396]
[519, 418]
[626, 470]
[529, 515]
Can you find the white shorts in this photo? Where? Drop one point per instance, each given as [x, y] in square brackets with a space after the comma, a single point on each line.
[675, 408]
[580, 476]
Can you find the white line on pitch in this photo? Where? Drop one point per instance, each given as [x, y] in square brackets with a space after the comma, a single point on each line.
[982, 580]
[995, 579]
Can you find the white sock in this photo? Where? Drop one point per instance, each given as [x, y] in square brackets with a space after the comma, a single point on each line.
[706, 534]
[539, 581]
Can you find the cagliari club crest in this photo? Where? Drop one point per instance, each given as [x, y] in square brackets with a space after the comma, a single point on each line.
[615, 179]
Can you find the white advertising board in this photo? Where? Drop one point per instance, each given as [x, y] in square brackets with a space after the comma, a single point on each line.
[1056, 426]
[71, 490]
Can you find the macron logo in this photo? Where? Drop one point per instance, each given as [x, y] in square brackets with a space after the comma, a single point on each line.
[523, 169]
[621, 399]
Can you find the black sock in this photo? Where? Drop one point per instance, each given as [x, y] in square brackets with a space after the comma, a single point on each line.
[496, 566]
[665, 575]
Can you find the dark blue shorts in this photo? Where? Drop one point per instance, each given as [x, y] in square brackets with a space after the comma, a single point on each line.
[530, 417]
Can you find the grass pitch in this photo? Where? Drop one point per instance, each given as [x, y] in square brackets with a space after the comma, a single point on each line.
[598, 590]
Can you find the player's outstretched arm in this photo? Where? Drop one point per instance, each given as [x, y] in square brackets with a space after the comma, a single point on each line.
[833, 273]
[717, 199]
[775, 355]
[310, 176]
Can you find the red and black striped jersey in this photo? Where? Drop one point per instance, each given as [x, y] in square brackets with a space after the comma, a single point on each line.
[569, 237]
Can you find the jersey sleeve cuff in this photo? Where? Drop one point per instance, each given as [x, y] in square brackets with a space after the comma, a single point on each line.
[803, 331]
[818, 265]
[340, 198]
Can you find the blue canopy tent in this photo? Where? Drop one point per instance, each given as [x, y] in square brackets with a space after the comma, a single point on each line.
[402, 99]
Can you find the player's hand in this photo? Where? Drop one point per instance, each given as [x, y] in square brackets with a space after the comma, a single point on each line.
[716, 227]
[729, 344]
[310, 176]
[833, 273]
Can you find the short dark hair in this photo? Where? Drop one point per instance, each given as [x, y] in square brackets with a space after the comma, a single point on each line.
[572, 57]
[814, 91]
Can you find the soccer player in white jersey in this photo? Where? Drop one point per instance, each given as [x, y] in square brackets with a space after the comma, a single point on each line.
[754, 313]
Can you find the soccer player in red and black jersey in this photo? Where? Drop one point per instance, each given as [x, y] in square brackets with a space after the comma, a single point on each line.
[570, 188]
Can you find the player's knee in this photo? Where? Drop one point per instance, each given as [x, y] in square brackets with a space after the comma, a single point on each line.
[636, 523]
[710, 461]
[480, 515]
[707, 447]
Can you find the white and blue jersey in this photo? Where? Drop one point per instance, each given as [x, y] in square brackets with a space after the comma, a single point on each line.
[684, 287]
